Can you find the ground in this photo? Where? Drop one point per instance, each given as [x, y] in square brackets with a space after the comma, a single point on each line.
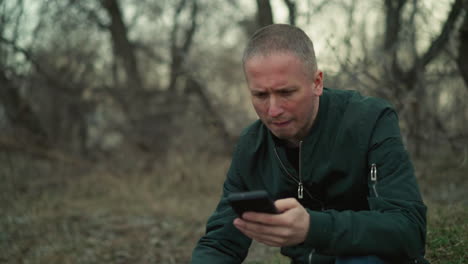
[66, 214]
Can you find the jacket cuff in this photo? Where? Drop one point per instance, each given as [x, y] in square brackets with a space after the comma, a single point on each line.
[320, 230]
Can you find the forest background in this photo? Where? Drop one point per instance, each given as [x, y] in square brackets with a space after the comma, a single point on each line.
[118, 117]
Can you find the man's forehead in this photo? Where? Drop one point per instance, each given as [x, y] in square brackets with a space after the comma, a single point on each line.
[271, 53]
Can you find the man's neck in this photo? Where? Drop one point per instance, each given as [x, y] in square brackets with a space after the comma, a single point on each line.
[292, 143]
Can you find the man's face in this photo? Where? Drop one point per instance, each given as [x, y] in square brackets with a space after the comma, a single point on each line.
[284, 95]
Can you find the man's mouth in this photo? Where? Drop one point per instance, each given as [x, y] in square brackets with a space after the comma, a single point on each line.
[281, 123]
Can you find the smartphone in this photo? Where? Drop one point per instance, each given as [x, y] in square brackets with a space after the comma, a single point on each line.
[254, 201]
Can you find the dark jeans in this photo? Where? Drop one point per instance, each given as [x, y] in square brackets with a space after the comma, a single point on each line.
[359, 260]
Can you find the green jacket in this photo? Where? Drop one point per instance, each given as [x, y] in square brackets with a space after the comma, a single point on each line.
[352, 211]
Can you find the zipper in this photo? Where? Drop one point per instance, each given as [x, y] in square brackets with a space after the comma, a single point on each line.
[311, 256]
[298, 180]
[373, 176]
[300, 187]
[284, 168]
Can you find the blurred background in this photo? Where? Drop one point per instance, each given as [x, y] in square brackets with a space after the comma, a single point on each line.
[118, 117]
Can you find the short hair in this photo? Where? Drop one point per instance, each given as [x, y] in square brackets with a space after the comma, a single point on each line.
[282, 38]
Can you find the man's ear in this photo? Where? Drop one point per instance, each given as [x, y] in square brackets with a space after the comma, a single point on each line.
[318, 83]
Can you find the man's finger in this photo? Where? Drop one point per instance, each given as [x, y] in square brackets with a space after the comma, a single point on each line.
[265, 238]
[262, 218]
[259, 228]
[285, 204]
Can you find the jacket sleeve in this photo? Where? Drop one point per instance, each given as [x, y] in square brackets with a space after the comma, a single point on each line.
[395, 225]
[222, 242]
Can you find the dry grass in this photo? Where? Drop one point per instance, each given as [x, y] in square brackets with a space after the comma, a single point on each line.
[51, 214]
[56, 214]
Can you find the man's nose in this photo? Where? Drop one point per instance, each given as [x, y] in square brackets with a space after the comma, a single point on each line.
[275, 109]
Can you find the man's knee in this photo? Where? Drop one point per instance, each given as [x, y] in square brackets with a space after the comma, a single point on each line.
[359, 260]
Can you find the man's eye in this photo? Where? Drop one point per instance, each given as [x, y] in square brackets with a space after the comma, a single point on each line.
[260, 95]
[286, 92]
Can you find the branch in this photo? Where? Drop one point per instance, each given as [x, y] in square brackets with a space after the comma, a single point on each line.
[213, 116]
[317, 8]
[175, 29]
[412, 25]
[344, 67]
[179, 53]
[292, 11]
[91, 14]
[191, 31]
[440, 42]
[54, 83]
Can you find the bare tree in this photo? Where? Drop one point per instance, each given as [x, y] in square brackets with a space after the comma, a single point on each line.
[402, 73]
[408, 81]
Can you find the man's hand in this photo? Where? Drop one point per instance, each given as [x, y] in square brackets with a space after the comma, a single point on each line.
[288, 228]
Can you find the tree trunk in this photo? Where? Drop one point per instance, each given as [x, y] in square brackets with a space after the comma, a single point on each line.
[462, 59]
[179, 52]
[291, 4]
[264, 13]
[123, 49]
[393, 10]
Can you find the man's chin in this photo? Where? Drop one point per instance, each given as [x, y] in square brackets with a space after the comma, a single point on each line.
[281, 135]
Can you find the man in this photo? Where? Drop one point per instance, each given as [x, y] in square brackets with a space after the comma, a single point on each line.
[333, 160]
